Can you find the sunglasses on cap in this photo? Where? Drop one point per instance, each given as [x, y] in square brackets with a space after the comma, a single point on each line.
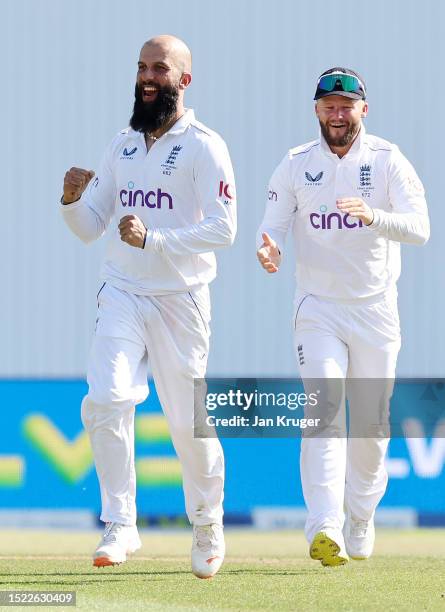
[341, 82]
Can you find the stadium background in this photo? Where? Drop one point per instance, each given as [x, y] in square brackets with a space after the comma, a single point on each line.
[68, 79]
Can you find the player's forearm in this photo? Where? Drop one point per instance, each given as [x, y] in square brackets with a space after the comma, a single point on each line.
[202, 237]
[83, 221]
[411, 228]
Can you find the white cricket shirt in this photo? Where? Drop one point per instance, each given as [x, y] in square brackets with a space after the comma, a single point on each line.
[337, 256]
[182, 189]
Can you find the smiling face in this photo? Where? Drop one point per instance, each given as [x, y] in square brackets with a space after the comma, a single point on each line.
[340, 119]
[158, 67]
[163, 74]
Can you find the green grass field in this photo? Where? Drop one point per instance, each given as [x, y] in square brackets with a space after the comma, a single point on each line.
[263, 571]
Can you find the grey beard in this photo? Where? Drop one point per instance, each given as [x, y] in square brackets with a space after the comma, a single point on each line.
[342, 141]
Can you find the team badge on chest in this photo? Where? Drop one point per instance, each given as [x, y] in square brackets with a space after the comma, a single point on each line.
[365, 181]
[170, 163]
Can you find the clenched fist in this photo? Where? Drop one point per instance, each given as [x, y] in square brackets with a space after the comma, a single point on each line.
[132, 231]
[75, 183]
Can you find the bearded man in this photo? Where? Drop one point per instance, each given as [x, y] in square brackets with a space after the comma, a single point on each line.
[165, 192]
[351, 199]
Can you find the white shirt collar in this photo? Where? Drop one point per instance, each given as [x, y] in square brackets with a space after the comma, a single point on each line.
[177, 128]
[183, 122]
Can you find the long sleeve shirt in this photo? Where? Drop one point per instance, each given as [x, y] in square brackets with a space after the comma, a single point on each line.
[337, 256]
[183, 191]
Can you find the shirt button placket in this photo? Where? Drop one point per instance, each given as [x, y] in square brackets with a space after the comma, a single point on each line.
[338, 181]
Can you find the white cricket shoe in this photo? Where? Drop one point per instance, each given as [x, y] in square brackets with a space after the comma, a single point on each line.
[359, 537]
[208, 550]
[117, 541]
[328, 546]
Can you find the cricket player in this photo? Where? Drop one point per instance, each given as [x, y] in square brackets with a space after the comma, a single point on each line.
[351, 199]
[165, 192]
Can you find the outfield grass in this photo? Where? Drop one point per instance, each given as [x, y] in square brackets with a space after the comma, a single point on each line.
[263, 571]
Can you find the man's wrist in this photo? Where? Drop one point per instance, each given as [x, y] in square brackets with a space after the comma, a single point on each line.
[372, 220]
[65, 203]
[145, 240]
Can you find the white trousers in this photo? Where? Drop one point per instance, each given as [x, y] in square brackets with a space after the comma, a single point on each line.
[343, 341]
[171, 334]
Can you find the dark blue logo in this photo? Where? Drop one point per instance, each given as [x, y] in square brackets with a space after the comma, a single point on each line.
[365, 176]
[173, 155]
[128, 153]
[313, 179]
[96, 182]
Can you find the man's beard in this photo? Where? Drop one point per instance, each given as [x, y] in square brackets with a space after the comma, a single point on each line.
[340, 141]
[150, 116]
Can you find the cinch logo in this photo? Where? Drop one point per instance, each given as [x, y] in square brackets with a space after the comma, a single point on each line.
[333, 220]
[152, 199]
[224, 190]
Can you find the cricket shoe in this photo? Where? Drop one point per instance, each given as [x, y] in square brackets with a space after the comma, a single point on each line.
[208, 550]
[359, 537]
[328, 547]
[118, 540]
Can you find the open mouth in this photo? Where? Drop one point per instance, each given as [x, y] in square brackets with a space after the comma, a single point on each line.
[149, 93]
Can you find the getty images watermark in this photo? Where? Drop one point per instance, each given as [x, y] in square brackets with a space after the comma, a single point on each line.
[289, 408]
[248, 401]
[254, 408]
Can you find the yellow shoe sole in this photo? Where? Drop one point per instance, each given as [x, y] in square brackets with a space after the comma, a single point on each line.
[326, 550]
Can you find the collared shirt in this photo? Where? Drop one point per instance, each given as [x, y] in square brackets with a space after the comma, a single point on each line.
[337, 256]
[183, 191]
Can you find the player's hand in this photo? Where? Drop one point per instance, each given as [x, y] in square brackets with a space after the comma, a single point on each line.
[269, 255]
[75, 183]
[356, 207]
[132, 231]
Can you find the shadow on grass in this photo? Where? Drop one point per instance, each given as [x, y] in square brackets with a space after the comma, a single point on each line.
[283, 572]
[97, 576]
[61, 578]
